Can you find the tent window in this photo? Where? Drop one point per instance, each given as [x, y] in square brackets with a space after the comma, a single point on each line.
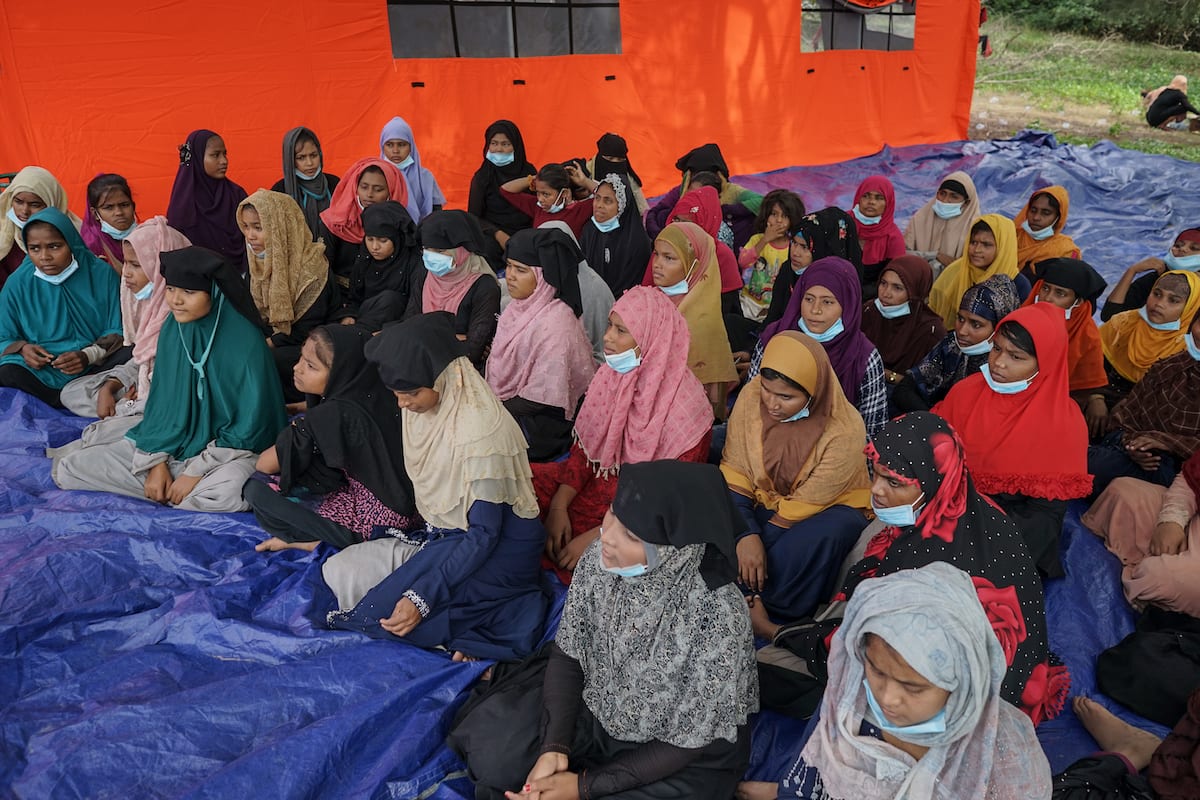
[503, 28]
[857, 25]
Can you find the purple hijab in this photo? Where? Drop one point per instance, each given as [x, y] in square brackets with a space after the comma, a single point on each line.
[204, 209]
[848, 351]
[423, 191]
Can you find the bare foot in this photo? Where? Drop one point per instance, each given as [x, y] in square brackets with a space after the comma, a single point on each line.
[759, 620]
[757, 790]
[459, 655]
[1115, 735]
[275, 544]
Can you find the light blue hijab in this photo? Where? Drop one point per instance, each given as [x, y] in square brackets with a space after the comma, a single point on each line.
[423, 190]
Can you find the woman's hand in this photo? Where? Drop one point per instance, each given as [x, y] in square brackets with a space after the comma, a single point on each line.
[35, 356]
[404, 618]
[1142, 449]
[558, 531]
[1170, 539]
[106, 400]
[72, 362]
[559, 786]
[568, 557]
[547, 765]
[158, 480]
[1153, 262]
[502, 239]
[752, 562]
[345, 321]
[1096, 414]
[776, 229]
[181, 487]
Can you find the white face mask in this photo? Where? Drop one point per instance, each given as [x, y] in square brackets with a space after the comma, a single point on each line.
[57, 280]
[15, 220]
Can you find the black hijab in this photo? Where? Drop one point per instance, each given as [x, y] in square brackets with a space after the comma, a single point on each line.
[613, 146]
[829, 232]
[486, 201]
[312, 195]
[1071, 273]
[414, 353]
[557, 256]
[386, 220]
[705, 158]
[447, 229]
[680, 503]
[619, 256]
[353, 429]
[198, 269]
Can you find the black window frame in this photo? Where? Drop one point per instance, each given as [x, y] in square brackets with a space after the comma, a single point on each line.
[845, 10]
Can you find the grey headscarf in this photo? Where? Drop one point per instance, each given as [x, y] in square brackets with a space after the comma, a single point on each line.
[313, 196]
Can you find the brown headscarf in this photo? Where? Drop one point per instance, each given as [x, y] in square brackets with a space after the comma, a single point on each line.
[293, 272]
[903, 341]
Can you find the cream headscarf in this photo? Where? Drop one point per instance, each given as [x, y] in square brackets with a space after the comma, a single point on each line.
[34, 180]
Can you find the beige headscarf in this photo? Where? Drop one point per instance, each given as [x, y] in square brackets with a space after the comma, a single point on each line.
[289, 279]
[927, 232]
[34, 180]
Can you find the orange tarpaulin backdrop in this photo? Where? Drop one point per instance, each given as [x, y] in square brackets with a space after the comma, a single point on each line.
[116, 87]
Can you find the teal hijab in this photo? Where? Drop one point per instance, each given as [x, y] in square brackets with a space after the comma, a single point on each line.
[62, 318]
[214, 378]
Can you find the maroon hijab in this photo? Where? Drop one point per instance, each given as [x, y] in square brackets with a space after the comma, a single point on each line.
[904, 341]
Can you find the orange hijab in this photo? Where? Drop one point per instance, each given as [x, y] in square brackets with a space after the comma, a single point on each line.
[1085, 356]
[1029, 250]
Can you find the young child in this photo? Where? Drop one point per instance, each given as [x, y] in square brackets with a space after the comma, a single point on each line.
[767, 250]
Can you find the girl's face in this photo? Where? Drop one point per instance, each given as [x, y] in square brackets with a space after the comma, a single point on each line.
[872, 204]
[619, 547]
[1008, 362]
[396, 150]
[617, 337]
[381, 248]
[1163, 305]
[500, 143]
[1041, 213]
[820, 309]
[251, 224]
[604, 207]
[418, 401]
[48, 250]
[801, 255]
[188, 305]
[1181, 248]
[26, 204]
[981, 250]
[950, 196]
[308, 158]
[116, 208]
[216, 159]
[971, 328]
[891, 289]
[904, 695]
[668, 269]
[548, 196]
[132, 274]
[520, 279]
[310, 374]
[1060, 296]
[780, 399]
[778, 217]
[372, 188]
[890, 490]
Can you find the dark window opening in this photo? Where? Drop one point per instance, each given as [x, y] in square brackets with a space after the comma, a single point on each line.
[845, 25]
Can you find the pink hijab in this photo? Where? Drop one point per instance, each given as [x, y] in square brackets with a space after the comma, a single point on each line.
[882, 241]
[150, 239]
[659, 410]
[447, 292]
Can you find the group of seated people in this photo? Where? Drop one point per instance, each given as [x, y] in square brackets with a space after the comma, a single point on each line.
[722, 420]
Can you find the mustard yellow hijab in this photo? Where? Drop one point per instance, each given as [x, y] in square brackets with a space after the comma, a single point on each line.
[1132, 346]
[959, 276]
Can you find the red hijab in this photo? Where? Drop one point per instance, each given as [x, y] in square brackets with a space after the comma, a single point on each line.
[343, 218]
[883, 240]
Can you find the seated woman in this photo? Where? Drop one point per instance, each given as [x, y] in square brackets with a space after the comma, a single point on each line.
[612, 158]
[875, 212]
[990, 249]
[214, 402]
[304, 176]
[471, 582]
[389, 263]
[547, 196]
[826, 305]
[1039, 231]
[368, 181]
[963, 350]
[60, 312]
[701, 205]
[685, 269]
[541, 360]
[111, 216]
[739, 205]
[913, 707]
[1075, 286]
[644, 404]
[938, 229]
[1133, 289]
[203, 205]
[616, 244]
[596, 297]
[1007, 413]
[1157, 426]
[398, 148]
[793, 461]
[341, 464]
[289, 278]
[638, 701]
[768, 250]
[898, 321]
[828, 232]
[30, 191]
[122, 390]
[1155, 531]
[504, 160]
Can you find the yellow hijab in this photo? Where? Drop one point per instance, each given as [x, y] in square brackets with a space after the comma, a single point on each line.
[293, 273]
[959, 276]
[1132, 346]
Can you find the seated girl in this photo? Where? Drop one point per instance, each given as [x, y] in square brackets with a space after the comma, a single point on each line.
[60, 312]
[594, 294]
[685, 269]
[541, 360]
[739, 205]
[304, 176]
[214, 403]
[875, 212]
[1157, 426]
[471, 581]
[1075, 286]
[633, 698]
[547, 196]
[31, 190]
[123, 390]
[898, 321]
[990, 249]
[388, 264]
[963, 350]
[938, 229]
[616, 244]
[1133, 289]
[368, 181]
[111, 216]
[289, 278]
[340, 464]
[768, 250]
[793, 461]
[702, 206]
[1007, 413]
[913, 707]
[504, 160]
[398, 148]
[457, 279]
[203, 205]
[1039, 231]
[826, 305]
[644, 404]
[828, 232]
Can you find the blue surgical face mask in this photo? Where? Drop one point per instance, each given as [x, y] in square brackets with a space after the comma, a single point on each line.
[623, 362]
[947, 210]
[60, 277]
[858, 215]
[1011, 387]
[977, 349]
[634, 570]
[405, 163]
[892, 312]
[675, 289]
[144, 292]
[559, 206]
[501, 159]
[801, 414]
[831, 332]
[1189, 263]
[1158, 326]
[899, 516]
[1038, 236]
[935, 724]
[304, 177]
[607, 227]
[438, 264]
[15, 220]
[1192, 349]
[119, 235]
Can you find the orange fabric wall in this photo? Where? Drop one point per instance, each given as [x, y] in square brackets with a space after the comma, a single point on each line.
[116, 86]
